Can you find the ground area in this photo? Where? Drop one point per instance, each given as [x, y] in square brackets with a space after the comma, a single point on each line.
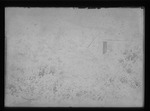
[63, 58]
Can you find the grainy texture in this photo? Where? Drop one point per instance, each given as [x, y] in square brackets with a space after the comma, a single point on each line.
[73, 57]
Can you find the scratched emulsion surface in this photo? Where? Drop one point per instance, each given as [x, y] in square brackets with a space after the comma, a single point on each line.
[74, 57]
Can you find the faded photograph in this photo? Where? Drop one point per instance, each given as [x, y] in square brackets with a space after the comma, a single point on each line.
[71, 57]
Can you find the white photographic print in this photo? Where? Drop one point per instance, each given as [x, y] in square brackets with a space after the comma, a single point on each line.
[70, 57]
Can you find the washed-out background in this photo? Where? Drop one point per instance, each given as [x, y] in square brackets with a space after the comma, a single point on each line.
[74, 57]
